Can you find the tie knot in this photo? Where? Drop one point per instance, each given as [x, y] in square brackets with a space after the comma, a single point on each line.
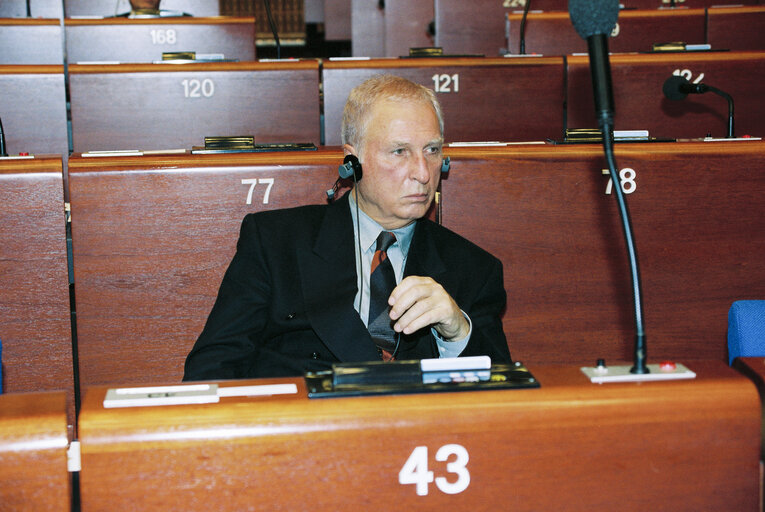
[384, 240]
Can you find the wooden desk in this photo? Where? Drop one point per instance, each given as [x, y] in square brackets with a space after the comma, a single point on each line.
[33, 109]
[545, 212]
[337, 18]
[641, 104]
[152, 238]
[754, 369]
[569, 445]
[31, 41]
[551, 33]
[461, 29]
[406, 26]
[33, 443]
[144, 40]
[482, 99]
[38, 9]
[367, 29]
[736, 28]
[161, 106]
[202, 8]
[34, 303]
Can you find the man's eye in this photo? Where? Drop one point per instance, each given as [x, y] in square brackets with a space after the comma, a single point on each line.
[398, 151]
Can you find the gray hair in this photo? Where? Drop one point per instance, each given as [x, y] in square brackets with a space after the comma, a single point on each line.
[381, 87]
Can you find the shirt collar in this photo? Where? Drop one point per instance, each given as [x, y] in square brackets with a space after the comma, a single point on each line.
[370, 229]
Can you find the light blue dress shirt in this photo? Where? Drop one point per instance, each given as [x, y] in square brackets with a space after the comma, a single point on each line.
[367, 233]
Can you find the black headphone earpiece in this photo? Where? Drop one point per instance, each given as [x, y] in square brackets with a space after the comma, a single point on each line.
[446, 163]
[351, 167]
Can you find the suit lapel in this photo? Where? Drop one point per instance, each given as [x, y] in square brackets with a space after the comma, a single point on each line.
[423, 258]
[330, 283]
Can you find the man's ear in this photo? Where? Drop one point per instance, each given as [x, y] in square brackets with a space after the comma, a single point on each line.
[349, 150]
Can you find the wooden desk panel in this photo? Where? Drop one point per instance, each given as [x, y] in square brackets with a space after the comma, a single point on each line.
[33, 442]
[202, 8]
[31, 41]
[622, 446]
[152, 238]
[34, 303]
[491, 99]
[460, 29]
[37, 8]
[754, 369]
[478, 27]
[161, 106]
[552, 33]
[698, 222]
[367, 29]
[736, 28]
[337, 18]
[641, 104]
[144, 40]
[33, 109]
[406, 26]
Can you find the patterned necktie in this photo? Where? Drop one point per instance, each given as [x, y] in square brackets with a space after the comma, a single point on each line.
[382, 280]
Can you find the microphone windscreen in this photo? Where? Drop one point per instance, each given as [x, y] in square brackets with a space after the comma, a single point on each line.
[673, 87]
[591, 17]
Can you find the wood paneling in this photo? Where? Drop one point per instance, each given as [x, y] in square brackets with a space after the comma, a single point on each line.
[33, 109]
[698, 224]
[202, 8]
[152, 238]
[736, 28]
[33, 442]
[34, 303]
[31, 41]
[640, 103]
[161, 106]
[144, 40]
[492, 99]
[569, 445]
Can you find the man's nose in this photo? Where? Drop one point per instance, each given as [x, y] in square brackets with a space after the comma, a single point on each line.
[420, 170]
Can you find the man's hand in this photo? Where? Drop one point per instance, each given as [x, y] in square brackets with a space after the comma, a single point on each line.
[419, 302]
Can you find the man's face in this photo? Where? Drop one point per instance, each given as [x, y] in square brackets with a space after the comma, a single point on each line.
[144, 4]
[401, 159]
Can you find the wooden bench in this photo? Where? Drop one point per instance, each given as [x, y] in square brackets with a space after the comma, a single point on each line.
[569, 445]
[144, 40]
[482, 99]
[202, 8]
[736, 28]
[551, 33]
[31, 41]
[37, 8]
[33, 109]
[547, 213]
[161, 106]
[641, 104]
[34, 303]
[33, 459]
[152, 237]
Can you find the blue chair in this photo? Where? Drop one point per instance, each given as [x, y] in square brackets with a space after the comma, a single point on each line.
[746, 329]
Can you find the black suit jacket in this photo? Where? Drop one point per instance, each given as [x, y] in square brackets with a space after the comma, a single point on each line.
[285, 305]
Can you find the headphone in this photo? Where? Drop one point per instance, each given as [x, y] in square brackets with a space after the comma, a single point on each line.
[352, 167]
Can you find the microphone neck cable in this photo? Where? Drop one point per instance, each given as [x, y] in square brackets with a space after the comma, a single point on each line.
[273, 28]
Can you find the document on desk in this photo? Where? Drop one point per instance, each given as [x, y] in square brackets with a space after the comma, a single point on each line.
[149, 396]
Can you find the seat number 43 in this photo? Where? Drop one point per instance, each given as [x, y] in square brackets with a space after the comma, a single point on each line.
[415, 470]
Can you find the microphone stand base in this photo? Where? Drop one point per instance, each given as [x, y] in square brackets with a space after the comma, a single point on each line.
[607, 374]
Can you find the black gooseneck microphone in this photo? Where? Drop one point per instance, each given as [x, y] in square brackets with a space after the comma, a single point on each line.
[522, 44]
[273, 29]
[678, 87]
[594, 20]
[2, 140]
